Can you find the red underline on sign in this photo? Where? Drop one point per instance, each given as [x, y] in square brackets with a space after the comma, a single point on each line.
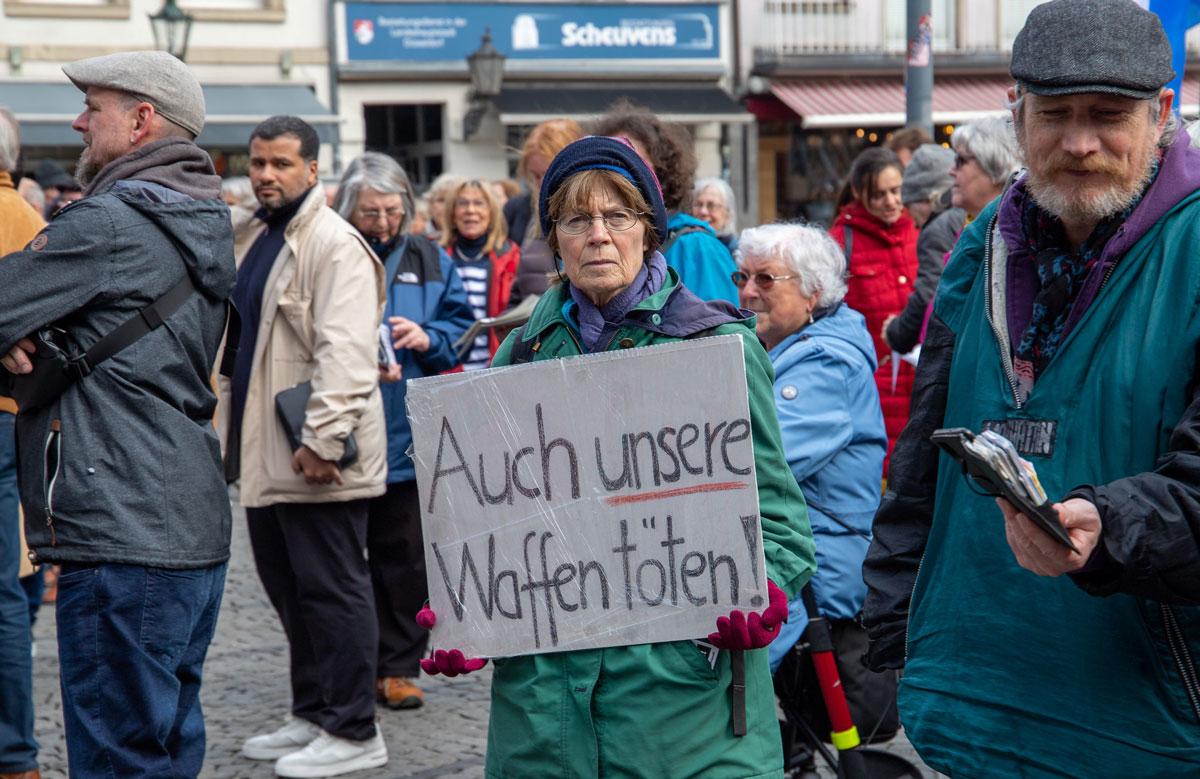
[620, 500]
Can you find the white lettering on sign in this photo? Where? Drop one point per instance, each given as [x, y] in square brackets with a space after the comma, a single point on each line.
[594, 501]
[629, 33]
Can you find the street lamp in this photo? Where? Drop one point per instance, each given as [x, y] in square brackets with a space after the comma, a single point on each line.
[172, 26]
[486, 67]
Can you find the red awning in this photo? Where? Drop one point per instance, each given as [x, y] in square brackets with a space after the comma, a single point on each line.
[878, 101]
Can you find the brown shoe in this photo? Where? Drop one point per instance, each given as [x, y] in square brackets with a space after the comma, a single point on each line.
[34, 774]
[398, 692]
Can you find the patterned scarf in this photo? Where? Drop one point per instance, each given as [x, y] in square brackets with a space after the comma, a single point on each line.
[1062, 272]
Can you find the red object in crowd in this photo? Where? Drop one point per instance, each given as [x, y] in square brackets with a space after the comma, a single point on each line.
[883, 269]
[504, 270]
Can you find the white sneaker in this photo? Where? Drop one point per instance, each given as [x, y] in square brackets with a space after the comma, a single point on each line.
[295, 734]
[328, 755]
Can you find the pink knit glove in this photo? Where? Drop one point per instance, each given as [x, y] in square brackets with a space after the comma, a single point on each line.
[446, 663]
[737, 631]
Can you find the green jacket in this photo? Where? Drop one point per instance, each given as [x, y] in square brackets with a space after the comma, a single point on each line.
[653, 710]
[1012, 674]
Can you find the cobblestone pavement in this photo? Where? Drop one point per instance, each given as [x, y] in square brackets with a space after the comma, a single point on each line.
[246, 692]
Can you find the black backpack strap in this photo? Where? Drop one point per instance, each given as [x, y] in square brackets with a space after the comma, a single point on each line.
[134, 328]
[673, 236]
[848, 245]
[233, 334]
[522, 350]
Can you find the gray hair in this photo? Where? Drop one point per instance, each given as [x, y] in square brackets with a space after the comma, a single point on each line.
[722, 186]
[993, 144]
[10, 140]
[807, 251]
[1170, 130]
[241, 190]
[372, 170]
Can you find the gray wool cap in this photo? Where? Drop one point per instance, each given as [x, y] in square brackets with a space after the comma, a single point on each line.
[927, 174]
[155, 76]
[1071, 46]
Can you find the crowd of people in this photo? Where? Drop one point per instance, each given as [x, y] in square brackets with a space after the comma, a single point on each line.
[165, 334]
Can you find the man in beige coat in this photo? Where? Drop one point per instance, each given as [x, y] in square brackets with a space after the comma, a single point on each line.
[310, 294]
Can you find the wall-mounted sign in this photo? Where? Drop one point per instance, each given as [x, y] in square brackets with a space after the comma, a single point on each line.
[544, 31]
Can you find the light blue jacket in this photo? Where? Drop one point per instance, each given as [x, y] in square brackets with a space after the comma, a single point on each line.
[703, 263]
[834, 440]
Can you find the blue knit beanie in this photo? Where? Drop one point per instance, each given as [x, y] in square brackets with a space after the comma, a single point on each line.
[597, 152]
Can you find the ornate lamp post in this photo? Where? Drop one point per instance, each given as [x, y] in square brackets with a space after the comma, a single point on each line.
[486, 67]
[172, 26]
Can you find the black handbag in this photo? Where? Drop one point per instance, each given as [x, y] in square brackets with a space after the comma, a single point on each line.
[290, 405]
[57, 365]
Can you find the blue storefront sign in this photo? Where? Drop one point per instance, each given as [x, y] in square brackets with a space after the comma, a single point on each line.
[430, 32]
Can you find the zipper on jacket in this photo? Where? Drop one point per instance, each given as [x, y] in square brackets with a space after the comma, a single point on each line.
[1005, 356]
[50, 474]
[911, 593]
[1183, 658]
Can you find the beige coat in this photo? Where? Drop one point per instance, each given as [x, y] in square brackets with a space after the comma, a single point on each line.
[322, 306]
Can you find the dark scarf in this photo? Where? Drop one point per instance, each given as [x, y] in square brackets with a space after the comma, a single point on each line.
[469, 249]
[383, 249]
[595, 323]
[171, 162]
[1062, 272]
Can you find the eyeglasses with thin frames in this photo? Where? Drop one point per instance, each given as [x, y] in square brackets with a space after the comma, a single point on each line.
[617, 220]
[764, 281]
[962, 160]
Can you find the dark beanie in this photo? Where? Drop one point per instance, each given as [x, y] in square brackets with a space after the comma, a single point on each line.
[597, 152]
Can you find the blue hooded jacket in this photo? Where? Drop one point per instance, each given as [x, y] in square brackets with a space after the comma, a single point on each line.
[703, 263]
[834, 440]
[434, 298]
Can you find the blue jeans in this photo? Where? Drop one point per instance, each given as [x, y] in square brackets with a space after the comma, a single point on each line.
[131, 646]
[18, 750]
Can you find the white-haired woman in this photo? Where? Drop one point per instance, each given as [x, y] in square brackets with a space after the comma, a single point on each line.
[713, 202]
[792, 276]
[426, 312]
[985, 157]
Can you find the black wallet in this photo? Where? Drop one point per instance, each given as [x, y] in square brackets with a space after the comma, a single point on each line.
[290, 405]
[954, 441]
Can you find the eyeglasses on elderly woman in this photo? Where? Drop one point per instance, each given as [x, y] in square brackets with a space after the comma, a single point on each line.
[616, 220]
[763, 281]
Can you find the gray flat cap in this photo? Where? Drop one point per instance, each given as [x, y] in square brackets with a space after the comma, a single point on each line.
[156, 76]
[927, 174]
[1111, 46]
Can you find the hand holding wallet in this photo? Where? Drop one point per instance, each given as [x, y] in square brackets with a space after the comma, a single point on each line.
[290, 405]
[993, 463]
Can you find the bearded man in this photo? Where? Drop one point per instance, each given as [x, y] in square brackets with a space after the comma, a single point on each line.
[120, 473]
[1068, 321]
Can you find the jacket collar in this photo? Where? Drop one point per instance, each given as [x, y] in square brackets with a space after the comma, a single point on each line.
[673, 311]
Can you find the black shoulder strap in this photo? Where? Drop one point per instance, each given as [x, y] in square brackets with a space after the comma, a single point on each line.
[848, 246]
[673, 236]
[522, 350]
[134, 328]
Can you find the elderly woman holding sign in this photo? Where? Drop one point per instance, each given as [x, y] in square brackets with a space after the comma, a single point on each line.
[661, 709]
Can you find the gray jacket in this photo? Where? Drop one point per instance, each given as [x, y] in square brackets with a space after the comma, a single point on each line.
[937, 238]
[124, 467]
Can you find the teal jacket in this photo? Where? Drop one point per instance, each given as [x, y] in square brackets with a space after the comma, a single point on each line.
[702, 261]
[1012, 674]
[653, 710]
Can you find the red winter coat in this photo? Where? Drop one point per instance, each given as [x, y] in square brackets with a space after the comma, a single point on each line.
[883, 267]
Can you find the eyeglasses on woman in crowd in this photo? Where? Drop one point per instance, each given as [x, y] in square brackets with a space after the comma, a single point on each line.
[763, 281]
[617, 220]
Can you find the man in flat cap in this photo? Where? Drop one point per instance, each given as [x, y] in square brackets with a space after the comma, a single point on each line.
[120, 472]
[1067, 321]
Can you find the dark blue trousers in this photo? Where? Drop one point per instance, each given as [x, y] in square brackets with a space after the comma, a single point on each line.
[18, 750]
[131, 646]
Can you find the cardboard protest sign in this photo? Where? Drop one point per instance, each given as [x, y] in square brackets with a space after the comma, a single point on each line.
[595, 501]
